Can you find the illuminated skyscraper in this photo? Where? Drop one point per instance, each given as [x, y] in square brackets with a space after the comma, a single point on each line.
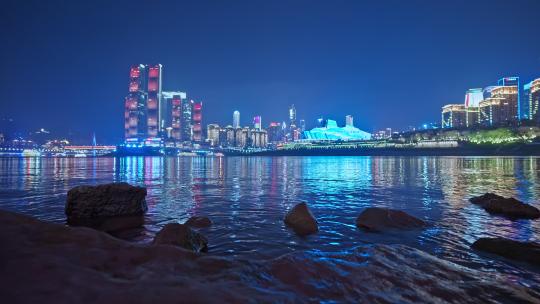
[274, 132]
[186, 131]
[257, 122]
[135, 103]
[197, 121]
[153, 111]
[176, 105]
[236, 119]
[292, 116]
[167, 110]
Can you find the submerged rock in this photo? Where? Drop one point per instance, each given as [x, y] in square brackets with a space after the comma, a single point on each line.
[509, 207]
[379, 219]
[484, 198]
[301, 220]
[181, 235]
[107, 207]
[521, 251]
[51, 263]
[199, 222]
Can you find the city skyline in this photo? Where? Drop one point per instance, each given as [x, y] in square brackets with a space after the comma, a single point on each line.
[262, 68]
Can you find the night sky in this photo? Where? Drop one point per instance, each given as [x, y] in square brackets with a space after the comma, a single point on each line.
[392, 64]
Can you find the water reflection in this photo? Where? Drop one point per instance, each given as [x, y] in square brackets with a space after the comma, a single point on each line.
[246, 197]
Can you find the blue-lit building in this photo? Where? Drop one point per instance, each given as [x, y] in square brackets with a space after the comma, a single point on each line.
[531, 99]
[331, 131]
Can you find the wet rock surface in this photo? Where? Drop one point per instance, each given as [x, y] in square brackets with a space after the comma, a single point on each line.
[521, 251]
[51, 263]
[199, 222]
[181, 235]
[108, 207]
[301, 220]
[509, 207]
[380, 219]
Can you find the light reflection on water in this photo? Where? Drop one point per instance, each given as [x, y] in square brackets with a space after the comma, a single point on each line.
[247, 197]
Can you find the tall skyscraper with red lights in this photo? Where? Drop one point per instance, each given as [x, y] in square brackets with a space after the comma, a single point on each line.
[197, 121]
[135, 103]
[153, 113]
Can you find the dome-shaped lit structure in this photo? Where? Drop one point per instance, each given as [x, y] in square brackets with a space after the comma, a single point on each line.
[331, 131]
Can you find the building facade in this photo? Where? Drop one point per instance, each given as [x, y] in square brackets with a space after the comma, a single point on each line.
[186, 130]
[176, 117]
[153, 110]
[213, 133]
[514, 83]
[531, 96]
[135, 104]
[454, 116]
[257, 122]
[196, 120]
[236, 119]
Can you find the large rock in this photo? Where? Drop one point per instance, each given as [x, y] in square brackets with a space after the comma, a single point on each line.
[509, 207]
[199, 222]
[301, 220]
[108, 207]
[521, 251]
[379, 219]
[181, 235]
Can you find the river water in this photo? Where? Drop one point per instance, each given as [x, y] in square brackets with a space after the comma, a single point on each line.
[247, 198]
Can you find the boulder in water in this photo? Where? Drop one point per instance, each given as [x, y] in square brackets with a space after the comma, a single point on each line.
[301, 220]
[199, 222]
[183, 236]
[509, 207]
[521, 251]
[379, 219]
[108, 207]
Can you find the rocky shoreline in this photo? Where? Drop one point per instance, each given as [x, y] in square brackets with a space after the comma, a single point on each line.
[46, 262]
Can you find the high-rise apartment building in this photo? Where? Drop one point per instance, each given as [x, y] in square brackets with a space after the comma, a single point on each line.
[153, 103]
[186, 130]
[292, 117]
[197, 122]
[176, 120]
[168, 109]
[274, 133]
[509, 106]
[257, 122]
[135, 104]
[512, 82]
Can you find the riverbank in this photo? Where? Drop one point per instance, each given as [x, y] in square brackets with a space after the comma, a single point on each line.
[463, 150]
[46, 262]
